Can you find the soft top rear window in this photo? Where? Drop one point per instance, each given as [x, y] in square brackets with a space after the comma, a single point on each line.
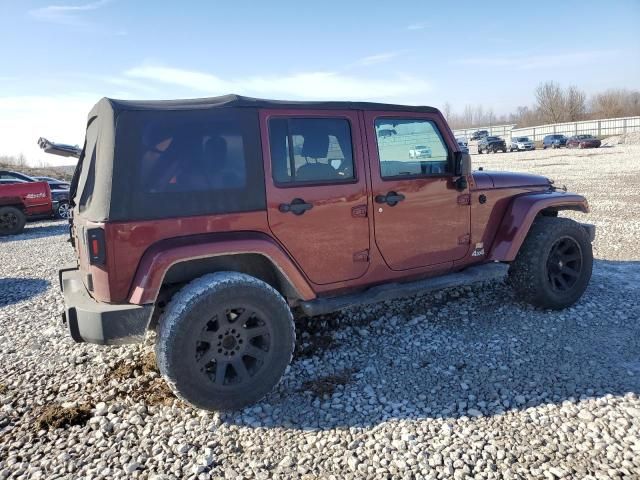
[171, 163]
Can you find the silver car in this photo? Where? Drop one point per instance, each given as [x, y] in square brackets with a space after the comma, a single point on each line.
[521, 143]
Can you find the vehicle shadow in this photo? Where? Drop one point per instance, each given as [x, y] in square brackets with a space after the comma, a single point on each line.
[33, 230]
[14, 290]
[476, 352]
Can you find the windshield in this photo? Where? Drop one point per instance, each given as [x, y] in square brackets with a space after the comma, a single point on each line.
[493, 138]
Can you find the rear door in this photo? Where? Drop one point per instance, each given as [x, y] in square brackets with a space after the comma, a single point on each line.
[420, 218]
[316, 191]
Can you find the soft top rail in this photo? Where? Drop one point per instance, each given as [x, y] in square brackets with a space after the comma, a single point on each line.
[60, 149]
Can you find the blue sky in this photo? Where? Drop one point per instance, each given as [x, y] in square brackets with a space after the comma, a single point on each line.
[60, 56]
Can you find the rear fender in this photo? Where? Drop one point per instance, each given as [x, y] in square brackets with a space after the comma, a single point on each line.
[159, 258]
[520, 216]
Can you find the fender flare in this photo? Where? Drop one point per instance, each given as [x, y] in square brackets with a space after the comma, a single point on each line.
[159, 258]
[520, 216]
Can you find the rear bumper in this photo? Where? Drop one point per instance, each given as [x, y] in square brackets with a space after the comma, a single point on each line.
[97, 322]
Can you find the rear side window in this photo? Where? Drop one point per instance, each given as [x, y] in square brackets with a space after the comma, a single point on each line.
[311, 150]
[192, 162]
[417, 149]
[192, 156]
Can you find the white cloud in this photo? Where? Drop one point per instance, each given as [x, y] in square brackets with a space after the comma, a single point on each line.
[304, 85]
[66, 14]
[378, 58]
[530, 62]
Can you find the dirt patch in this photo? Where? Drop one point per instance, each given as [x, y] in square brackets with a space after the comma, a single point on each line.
[3, 389]
[57, 416]
[327, 385]
[123, 369]
[149, 387]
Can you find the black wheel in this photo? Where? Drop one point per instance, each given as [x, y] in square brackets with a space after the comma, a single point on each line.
[12, 221]
[63, 210]
[553, 267]
[225, 340]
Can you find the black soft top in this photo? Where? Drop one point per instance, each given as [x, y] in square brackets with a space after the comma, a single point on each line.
[239, 101]
[107, 182]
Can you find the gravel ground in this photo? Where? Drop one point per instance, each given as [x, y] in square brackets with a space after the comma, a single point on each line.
[467, 383]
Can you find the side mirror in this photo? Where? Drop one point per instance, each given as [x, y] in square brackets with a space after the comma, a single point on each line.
[462, 164]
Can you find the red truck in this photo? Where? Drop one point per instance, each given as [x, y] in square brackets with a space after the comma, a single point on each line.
[22, 201]
[216, 222]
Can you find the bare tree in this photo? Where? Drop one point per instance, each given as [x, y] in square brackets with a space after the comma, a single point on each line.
[616, 103]
[467, 118]
[550, 102]
[575, 102]
[13, 161]
[447, 111]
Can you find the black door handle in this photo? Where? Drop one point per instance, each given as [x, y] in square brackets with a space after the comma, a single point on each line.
[391, 198]
[297, 206]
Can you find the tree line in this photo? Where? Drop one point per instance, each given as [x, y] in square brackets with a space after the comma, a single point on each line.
[553, 104]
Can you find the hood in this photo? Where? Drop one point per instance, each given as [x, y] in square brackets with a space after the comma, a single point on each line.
[512, 179]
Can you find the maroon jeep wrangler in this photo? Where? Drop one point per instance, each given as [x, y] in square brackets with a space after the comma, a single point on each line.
[210, 221]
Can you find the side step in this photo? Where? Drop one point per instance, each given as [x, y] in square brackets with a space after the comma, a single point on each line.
[391, 291]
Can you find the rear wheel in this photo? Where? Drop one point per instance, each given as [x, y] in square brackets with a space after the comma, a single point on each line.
[12, 221]
[225, 340]
[63, 210]
[553, 267]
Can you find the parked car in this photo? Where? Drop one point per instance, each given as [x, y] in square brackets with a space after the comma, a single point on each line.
[54, 183]
[583, 141]
[521, 143]
[463, 146]
[216, 251]
[462, 141]
[554, 141]
[387, 132]
[491, 144]
[20, 201]
[10, 181]
[59, 196]
[420, 151]
[478, 134]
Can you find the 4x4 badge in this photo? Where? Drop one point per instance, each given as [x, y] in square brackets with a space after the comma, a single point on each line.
[479, 250]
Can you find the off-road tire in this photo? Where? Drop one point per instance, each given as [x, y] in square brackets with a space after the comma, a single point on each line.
[12, 220]
[531, 272]
[199, 320]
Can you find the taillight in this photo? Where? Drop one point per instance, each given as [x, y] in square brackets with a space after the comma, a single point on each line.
[96, 246]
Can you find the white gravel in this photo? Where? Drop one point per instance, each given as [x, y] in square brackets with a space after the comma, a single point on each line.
[463, 384]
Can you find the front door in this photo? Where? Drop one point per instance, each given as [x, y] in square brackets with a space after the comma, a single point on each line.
[421, 219]
[316, 191]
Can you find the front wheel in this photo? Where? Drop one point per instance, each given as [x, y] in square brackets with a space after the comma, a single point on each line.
[12, 221]
[224, 341]
[553, 267]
